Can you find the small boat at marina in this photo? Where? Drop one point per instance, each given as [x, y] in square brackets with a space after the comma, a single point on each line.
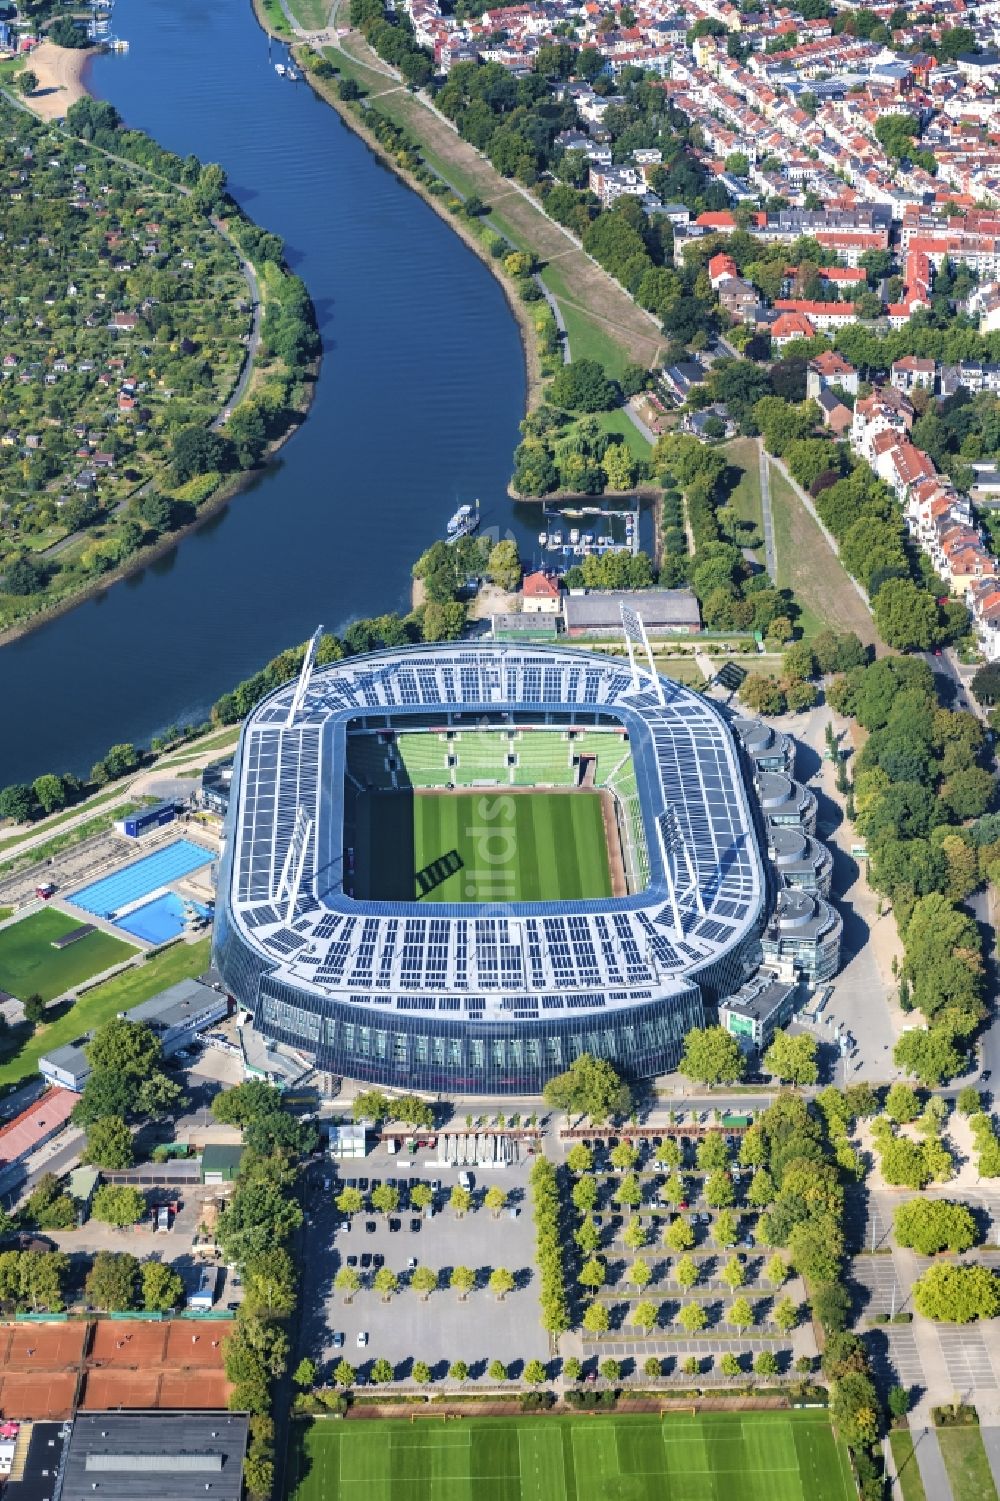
[279, 68]
[555, 540]
[574, 536]
[464, 522]
[543, 537]
[291, 74]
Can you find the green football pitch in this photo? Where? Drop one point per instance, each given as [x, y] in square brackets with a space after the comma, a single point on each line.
[29, 963]
[483, 846]
[768, 1456]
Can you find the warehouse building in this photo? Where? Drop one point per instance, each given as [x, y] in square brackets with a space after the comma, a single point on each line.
[155, 1456]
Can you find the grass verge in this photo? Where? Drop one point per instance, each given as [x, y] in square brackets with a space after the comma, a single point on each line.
[905, 1461]
[968, 1468]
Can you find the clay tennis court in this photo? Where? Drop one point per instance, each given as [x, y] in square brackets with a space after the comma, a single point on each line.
[45, 1394]
[53, 1347]
[114, 1363]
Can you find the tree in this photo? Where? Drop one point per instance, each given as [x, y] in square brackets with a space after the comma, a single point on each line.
[776, 1270]
[932, 1225]
[27, 82]
[640, 1273]
[535, 1373]
[734, 1273]
[712, 1153]
[198, 450]
[579, 1158]
[304, 1374]
[624, 1156]
[766, 1363]
[385, 1282]
[584, 386]
[112, 1281]
[17, 802]
[458, 1371]
[644, 1315]
[725, 1231]
[674, 1190]
[497, 1371]
[501, 1282]
[679, 1236]
[421, 1194]
[740, 1314]
[381, 1372]
[495, 1201]
[350, 1201]
[421, 1373]
[124, 1047]
[593, 1274]
[424, 1281]
[460, 1200]
[463, 1280]
[898, 1401]
[118, 1206]
[344, 1373]
[692, 1318]
[712, 1056]
[792, 1058]
[109, 1144]
[34, 1009]
[729, 1365]
[50, 790]
[719, 1191]
[930, 1055]
[48, 1207]
[686, 1272]
[610, 1370]
[347, 1281]
[590, 1086]
[596, 1319]
[585, 1195]
[385, 1199]
[902, 1104]
[635, 1236]
[785, 1315]
[905, 614]
[504, 565]
[162, 1287]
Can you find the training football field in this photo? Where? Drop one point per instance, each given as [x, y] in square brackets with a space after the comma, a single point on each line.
[482, 846]
[767, 1456]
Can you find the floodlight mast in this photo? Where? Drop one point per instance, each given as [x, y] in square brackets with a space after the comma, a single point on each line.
[635, 635]
[672, 844]
[302, 686]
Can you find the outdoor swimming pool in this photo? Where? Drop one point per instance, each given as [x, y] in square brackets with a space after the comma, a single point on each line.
[160, 919]
[107, 897]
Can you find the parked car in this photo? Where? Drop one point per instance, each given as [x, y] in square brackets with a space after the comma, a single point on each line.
[393, 1226]
[378, 1260]
[362, 1338]
[338, 1339]
[366, 1260]
[369, 1227]
[411, 1264]
[352, 1261]
[415, 1226]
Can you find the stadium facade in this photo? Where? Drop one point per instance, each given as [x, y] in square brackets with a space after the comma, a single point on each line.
[486, 998]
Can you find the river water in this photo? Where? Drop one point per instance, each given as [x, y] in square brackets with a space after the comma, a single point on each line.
[416, 410]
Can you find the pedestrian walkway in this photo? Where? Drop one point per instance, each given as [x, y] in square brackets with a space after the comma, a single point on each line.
[931, 1465]
[991, 1443]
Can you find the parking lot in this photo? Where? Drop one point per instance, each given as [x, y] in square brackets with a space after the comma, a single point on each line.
[444, 1328]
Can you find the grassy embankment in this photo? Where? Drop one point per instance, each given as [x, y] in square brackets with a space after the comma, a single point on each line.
[826, 596]
[21, 1051]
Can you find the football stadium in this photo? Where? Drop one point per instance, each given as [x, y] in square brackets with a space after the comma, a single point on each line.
[455, 868]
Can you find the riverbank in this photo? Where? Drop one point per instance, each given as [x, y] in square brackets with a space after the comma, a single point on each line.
[61, 74]
[145, 557]
[326, 90]
[252, 375]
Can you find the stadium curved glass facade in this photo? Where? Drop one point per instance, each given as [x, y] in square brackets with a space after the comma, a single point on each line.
[485, 998]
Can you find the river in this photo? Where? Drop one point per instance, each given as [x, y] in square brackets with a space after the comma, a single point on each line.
[416, 409]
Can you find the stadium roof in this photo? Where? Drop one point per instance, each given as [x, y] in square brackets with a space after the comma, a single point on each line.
[282, 877]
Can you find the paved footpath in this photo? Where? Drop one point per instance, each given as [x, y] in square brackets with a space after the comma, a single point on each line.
[991, 1443]
[931, 1465]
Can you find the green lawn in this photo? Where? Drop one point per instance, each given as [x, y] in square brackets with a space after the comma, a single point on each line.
[312, 14]
[901, 1444]
[788, 1456]
[967, 1465]
[482, 846]
[745, 498]
[620, 425]
[182, 961]
[29, 963]
[589, 339]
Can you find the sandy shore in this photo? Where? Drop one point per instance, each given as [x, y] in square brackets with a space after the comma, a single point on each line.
[60, 78]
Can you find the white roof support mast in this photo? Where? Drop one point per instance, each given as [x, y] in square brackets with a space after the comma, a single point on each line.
[302, 686]
[635, 635]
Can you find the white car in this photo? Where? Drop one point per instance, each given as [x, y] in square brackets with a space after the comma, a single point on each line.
[362, 1338]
